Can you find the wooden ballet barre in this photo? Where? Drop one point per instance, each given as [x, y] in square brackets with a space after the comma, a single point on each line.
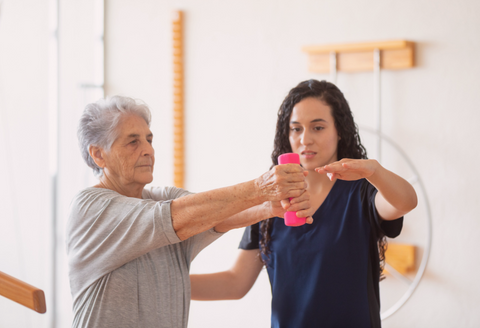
[22, 293]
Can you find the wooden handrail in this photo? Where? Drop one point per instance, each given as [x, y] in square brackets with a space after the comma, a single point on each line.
[22, 293]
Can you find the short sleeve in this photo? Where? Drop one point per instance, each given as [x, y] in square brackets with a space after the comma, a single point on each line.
[196, 243]
[106, 230]
[381, 227]
[164, 193]
[251, 239]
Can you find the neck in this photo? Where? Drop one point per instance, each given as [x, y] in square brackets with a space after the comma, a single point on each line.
[317, 182]
[129, 190]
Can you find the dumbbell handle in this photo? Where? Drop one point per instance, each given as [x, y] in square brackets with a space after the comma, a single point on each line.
[291, 218]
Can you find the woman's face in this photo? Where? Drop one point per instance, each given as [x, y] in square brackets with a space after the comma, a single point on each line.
[131, 158]
[313, 134]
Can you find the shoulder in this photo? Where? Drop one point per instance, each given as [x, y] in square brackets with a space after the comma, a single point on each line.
[89, 197]
[251, 237]
[91, 194]
[164, 193]
[91, 203]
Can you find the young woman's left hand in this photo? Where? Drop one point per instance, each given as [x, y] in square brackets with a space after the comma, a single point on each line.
[301, 205]
[349, 169]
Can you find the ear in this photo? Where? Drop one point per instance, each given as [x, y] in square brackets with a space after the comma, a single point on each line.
[97, 156]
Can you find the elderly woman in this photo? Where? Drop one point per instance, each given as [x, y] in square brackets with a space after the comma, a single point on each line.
[130, 248]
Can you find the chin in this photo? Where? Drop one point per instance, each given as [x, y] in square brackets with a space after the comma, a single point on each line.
[312, 166]
[309, 165]
[146, 179]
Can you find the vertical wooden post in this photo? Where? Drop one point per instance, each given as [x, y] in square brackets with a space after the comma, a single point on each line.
[178, 100]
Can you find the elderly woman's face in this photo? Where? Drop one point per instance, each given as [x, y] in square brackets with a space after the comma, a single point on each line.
[131, 157]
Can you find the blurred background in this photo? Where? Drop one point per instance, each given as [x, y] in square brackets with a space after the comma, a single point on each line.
[241, 59]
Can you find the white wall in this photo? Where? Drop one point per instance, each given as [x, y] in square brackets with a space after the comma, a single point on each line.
[25, 205]
[242, 57]
[24, 180]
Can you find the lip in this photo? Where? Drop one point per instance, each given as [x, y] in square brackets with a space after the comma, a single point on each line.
[308, 154]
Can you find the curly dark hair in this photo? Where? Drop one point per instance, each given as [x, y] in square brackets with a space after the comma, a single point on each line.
[349, 145]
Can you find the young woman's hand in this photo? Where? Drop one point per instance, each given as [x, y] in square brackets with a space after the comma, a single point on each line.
[349, 169]
[300, 204]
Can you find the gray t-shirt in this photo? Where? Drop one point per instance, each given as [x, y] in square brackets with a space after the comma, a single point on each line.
[127, 266]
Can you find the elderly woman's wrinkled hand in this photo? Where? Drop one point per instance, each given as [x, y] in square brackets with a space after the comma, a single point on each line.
[281, 182]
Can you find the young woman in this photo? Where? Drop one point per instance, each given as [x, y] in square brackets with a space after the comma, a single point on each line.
[325, 274]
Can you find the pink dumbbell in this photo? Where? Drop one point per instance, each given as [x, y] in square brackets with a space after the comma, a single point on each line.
[291, 218]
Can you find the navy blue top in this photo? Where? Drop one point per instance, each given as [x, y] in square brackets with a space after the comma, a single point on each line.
[327, 274]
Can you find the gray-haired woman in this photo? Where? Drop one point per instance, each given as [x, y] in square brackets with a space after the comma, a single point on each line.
[130, 248]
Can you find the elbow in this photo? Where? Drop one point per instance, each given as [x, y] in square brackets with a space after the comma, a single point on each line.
[238, 294]
[238, 287]
[413, 201]
[409, 205]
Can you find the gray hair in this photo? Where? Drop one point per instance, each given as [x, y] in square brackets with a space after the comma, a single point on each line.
[99, 121]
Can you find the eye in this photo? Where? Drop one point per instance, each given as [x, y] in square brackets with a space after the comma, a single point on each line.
[294, 129]
[150, 141]
[318, 128]
[134, 142]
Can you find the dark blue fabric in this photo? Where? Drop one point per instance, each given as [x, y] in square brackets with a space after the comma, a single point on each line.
[323, 274]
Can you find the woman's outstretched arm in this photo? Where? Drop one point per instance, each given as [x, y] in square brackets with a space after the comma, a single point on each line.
[396, 196]
[267, 210]
[196, 213]
[232, 284]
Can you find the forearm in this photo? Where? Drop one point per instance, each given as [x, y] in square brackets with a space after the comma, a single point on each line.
[396, 197]
[199, 212]
[214, 286]
[245, 218]
[231, 284]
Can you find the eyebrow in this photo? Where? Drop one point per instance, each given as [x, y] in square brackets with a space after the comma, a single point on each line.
[313, 121]
[135, 135]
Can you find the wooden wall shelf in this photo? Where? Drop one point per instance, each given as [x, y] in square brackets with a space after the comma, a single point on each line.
[357, 57]
[401, 257]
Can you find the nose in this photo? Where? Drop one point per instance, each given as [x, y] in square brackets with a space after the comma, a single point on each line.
[306, 138]
[148, 149]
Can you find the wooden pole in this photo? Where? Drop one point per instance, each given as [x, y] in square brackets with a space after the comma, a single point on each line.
[22, 293]
[178, 101]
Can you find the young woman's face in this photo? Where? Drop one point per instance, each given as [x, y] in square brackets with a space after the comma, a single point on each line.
[313, 134]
